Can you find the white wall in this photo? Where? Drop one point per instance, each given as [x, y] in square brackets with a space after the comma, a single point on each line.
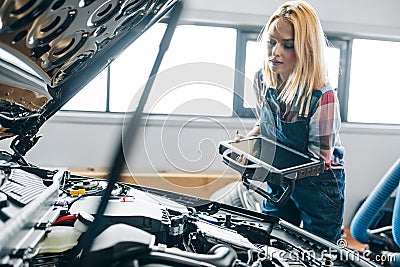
[88, 140]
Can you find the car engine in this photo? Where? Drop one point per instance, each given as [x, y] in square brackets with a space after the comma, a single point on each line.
[45, 216]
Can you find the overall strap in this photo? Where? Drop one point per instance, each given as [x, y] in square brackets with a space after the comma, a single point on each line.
[309, 109]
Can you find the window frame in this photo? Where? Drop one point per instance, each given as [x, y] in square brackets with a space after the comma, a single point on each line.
[240, 62]
[344, 72]
[351, 38]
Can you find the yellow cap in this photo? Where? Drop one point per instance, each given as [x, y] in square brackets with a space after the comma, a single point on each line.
[77, 192]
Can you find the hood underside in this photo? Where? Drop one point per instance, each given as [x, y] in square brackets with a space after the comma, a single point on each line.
[49, 50]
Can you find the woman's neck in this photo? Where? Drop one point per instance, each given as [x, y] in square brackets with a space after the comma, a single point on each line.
[281, 82]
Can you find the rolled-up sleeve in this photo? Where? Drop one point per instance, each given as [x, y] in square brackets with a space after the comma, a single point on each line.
[324, 127]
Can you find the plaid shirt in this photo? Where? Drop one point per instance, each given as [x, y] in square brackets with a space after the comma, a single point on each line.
[324, 125]
[324, 140]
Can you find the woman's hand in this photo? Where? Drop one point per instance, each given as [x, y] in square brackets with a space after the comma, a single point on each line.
[241, 159]
[255, 131]
[238, 136]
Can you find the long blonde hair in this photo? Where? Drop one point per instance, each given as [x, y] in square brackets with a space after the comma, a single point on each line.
[310, 71]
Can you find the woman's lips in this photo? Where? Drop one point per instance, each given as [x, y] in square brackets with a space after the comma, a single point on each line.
[275, 62]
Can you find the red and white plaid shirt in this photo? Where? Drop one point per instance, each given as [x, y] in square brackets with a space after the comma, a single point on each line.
[324, 125]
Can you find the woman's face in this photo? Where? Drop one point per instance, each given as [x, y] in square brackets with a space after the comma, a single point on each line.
[280, 46]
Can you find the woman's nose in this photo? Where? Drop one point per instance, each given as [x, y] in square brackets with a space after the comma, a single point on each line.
[276, 50]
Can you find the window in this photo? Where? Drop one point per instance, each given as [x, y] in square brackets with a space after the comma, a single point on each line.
[255, 54]
[174, 92]
[190, 44]
[373, 94]
[131, 69]
[91, 98]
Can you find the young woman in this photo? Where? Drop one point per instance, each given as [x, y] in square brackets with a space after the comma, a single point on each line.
[299, 108]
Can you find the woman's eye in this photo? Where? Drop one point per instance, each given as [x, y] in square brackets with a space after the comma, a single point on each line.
[288, 46]
[271, 43]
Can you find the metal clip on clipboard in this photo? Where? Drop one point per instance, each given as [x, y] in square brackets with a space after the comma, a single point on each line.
[269, 161]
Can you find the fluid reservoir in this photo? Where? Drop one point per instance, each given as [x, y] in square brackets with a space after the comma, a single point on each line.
[63, 238]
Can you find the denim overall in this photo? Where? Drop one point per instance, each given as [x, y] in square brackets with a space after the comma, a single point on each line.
[317, 201]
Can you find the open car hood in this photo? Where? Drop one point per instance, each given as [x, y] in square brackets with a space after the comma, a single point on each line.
[49, 50]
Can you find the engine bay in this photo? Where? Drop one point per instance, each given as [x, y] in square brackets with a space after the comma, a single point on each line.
[144, 227]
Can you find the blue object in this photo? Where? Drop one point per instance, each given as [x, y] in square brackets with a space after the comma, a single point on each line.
[374, 203]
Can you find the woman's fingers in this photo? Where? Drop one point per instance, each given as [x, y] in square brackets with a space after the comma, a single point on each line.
[238, 136]
[241, 159]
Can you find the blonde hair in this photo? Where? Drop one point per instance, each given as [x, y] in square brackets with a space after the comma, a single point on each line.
[310, 71]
